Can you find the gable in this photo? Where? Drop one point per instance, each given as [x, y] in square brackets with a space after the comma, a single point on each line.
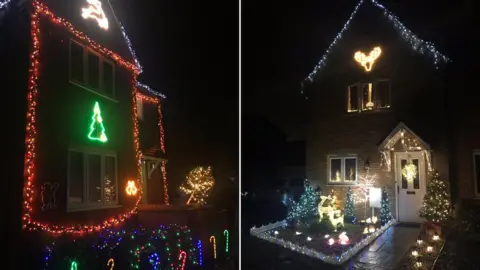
[111, 38]
[372, 13]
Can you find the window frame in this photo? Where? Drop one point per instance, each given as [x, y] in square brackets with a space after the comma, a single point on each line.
[476, 193]
[101, 91]
[342, 169]
[375, 97]
[86, 205]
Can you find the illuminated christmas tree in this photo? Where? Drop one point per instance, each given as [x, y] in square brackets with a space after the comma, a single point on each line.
[436, 202]
[385, 211]
[97, 130]
[349, 211]
[198, 184]
[306, 207]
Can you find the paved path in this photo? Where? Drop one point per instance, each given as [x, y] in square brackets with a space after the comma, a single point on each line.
[384, 253]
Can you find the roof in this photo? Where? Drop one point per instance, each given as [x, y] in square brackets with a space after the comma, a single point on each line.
[154, 152]
[112, 38]
[395, 136]
[417, 44]
[149, 91]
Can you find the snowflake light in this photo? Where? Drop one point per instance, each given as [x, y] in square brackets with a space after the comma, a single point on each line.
[94, 11]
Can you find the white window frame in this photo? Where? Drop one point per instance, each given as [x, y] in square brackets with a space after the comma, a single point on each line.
[86, 205]
[84, 83]
[359, 86]
[342, 169]
[475, 180]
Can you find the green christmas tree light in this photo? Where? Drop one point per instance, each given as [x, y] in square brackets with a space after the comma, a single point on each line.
[349, 211]
[306, 207]
[97, 130]
[385, 211]
[436, 202]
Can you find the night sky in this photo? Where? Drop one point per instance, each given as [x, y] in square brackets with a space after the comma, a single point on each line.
[189, 52]
[283, 41]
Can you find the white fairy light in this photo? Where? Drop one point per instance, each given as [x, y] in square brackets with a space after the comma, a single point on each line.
[4, 3]
[309, 238]
[417, 44]
[263, 232]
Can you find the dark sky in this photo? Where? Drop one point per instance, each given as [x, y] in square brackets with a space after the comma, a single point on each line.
[282, 42]
[189, 51]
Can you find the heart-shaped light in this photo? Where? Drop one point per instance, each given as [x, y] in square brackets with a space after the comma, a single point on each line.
[368, 61]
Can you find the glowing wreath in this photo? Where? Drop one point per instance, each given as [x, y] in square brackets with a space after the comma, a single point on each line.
[409, 171]
[368, 61]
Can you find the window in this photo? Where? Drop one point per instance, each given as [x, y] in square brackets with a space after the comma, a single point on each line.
[352, 98]
[92, 180]
[342, 169]
[476, 171]
[91, 71]
[139, 108]
[368, 96]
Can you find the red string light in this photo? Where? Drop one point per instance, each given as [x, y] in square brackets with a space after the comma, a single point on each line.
[31, 132]
[162, 142]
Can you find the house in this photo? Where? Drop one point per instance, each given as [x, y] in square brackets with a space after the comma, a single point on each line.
[377, 113]
[94, 134]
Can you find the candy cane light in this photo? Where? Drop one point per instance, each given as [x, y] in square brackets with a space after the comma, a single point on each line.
[212, 240]
[225, 233]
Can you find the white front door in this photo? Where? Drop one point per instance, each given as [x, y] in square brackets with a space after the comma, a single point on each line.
[410, 190]
[144, 177]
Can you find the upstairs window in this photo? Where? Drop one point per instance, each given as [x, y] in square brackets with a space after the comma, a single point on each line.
[91, 71]
[368, 96]
[342, 170]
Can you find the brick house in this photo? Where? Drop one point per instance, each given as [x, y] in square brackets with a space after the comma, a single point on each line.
[379, 118]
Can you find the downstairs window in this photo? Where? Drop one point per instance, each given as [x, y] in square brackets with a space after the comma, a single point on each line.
[342, 170]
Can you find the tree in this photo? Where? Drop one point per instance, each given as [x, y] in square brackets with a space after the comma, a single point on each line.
[349, 211]
[385, 211]
[198, 184]
[97, 130]
[306, 207]
[436, 202]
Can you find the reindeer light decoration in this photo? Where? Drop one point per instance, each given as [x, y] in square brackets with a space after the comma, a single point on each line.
[326, 207]
[368, 61]
[94, 11]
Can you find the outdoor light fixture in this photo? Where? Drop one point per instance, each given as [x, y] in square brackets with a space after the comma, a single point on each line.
[367, 61]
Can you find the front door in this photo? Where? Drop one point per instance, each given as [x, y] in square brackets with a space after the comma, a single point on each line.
[411, 185]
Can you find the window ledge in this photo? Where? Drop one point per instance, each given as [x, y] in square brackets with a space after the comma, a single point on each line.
[93, 208]
[377, 111]
[330, 184]
[93, 91]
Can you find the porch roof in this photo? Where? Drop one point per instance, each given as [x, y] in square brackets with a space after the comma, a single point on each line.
[396, 135]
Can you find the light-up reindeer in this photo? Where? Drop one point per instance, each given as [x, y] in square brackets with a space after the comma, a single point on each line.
[326, 207]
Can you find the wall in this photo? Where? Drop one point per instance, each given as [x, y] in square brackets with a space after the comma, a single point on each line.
[63, 118]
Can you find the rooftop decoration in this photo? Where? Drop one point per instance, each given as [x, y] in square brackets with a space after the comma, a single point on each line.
[94, 11]
[417, 44]
[367, 61]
